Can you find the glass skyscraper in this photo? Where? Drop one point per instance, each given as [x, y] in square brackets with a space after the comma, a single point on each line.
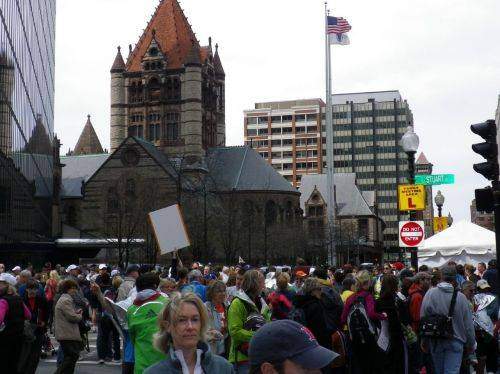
[27, 46]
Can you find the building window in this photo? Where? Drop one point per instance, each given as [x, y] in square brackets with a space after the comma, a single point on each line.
[251, 132]
[300, 118]
[171, 126]
[271, 213]
[113, 203]
[154, 132]
[154, 89]
[130, 187]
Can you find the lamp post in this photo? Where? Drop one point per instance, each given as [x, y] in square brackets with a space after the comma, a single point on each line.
[450, 220]
[410, 142]
[439, 200]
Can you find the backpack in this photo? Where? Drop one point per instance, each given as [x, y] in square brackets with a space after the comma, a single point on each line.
[359, 325]
[333, 307]
[439, 326]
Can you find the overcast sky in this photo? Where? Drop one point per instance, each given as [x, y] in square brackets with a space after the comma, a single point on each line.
[443, 56]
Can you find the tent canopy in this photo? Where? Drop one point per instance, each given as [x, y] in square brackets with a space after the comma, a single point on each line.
[464, 242]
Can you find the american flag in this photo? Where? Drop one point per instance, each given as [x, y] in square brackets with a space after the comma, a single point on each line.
[337, 25]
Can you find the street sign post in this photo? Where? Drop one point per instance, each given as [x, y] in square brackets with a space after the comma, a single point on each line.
[411, 197]
[440, 224]
[411, 233]
[435, 179]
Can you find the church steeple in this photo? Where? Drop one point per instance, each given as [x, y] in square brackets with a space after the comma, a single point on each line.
[172, 31]
[118, 64]
[88, 142]
[219, 70]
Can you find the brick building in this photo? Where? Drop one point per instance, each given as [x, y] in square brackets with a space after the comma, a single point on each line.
[167, 147]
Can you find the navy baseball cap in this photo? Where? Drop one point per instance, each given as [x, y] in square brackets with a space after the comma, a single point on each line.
[282, 340]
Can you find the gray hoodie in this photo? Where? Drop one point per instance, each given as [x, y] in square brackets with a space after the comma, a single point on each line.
[437, 301]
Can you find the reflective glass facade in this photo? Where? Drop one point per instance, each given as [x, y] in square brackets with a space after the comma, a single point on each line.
[27, 43]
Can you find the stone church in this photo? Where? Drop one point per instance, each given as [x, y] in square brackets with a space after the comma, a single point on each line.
[168, 146]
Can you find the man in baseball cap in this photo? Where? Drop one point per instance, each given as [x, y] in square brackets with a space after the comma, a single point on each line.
[287, 347]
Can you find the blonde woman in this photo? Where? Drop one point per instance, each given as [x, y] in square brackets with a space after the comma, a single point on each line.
[50, 293]
[181, 336]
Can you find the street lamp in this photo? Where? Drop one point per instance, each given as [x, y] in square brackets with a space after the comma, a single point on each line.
[410, 142]
[449, 219]
[439, 200]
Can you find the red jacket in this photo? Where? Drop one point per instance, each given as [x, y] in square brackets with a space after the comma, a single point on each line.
[416, 295]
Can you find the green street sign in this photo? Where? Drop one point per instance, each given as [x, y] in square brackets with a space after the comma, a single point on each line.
[435, 179]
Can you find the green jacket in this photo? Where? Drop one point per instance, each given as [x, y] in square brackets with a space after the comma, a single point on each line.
[142, 322]
[236, 317]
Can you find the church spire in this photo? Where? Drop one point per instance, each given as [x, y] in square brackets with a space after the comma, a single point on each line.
[219, 70]
[88, 142]
[118, 64]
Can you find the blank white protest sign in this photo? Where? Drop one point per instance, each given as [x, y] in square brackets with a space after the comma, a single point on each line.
[169, 229]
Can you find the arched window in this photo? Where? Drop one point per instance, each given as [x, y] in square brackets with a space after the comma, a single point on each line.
[271, 213]
[288, 211]
[113, 203]
[130, 187]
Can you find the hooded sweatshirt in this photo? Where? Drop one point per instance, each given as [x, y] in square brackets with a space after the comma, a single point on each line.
[437, 301]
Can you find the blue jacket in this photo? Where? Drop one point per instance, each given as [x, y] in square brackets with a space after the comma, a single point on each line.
[197, 288]
[210, 363]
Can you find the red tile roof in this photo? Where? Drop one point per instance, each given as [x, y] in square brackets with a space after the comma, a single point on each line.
[172, 31]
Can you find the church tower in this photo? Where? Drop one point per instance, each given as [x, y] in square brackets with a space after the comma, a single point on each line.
[170, 91]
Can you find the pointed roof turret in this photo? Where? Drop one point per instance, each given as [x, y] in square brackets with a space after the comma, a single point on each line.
[193, 57]
[219, 70]
[88, 142]
[170, 27]
[422, 160]
[118, 64]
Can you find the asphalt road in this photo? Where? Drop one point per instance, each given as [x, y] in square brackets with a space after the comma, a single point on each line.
[86, 365]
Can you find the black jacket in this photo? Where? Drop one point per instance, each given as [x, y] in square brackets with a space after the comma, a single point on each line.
[314, 311]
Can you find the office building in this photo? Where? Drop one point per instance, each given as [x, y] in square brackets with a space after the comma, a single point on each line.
[367, 129]
[27, 33]
[288, 135]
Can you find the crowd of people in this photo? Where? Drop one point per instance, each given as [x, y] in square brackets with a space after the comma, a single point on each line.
[241, 319]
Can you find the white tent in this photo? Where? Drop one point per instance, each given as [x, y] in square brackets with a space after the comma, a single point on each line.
[464, 242]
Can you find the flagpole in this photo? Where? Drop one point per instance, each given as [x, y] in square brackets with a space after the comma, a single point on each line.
[329, 146]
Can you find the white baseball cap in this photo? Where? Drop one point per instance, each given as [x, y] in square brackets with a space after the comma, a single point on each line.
[102, 266]
[115, 273]
[16, 268]
[9, 278]
[71, 267]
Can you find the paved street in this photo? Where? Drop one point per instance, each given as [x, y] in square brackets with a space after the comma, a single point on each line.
[87, 365]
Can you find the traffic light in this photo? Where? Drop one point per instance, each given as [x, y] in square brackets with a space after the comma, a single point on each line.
[489, 149]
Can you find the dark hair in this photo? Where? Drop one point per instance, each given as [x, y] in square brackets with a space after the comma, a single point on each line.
[147, 281]
[436, 278]
[347, 283]
[423, 268]
[182, 273]
[492, 264]
[320, 273]
[390, 285]
[338, 275]
[67, 285]
[460, 269]
[105, 279]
